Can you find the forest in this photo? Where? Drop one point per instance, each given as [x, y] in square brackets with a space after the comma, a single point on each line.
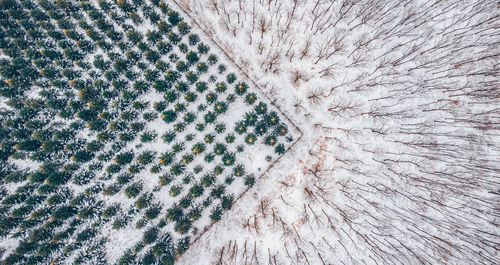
[124, 135]
[249, 132]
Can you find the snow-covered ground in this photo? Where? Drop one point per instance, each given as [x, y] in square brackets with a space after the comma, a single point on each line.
[395, 159]
[399, 105]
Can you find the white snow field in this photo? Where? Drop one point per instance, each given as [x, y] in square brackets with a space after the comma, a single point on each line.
[399, 103]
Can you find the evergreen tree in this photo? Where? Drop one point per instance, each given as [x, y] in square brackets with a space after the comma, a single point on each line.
[152, 212]
[250, 118]
[202, 67]
[230, 78]
[62, 213]
[175, 190]
[182, 226]
[261, 108]
[145, 158]
[133, 190]
[240, 127]
[143, 201]
[198, 148]
[57, 178]
[228, 159]
[280, 149]
[192, 57]
[261, 127]
[177, 169]
[193, 39]
[110, 211]
[211, 97]
[249, 181]
[220, 107]
[270, 140]
[210, 117]
[194, 214]
[190, 97]
[250, 139]
[124, 158]
[82, 156]
[227, 202]
[174, 213]
[183, 27]
[241, 88]
[128, 258]
[182, 245]
[196, 191]
[216, 214]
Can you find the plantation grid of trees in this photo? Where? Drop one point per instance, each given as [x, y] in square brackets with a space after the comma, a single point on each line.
[117, 116]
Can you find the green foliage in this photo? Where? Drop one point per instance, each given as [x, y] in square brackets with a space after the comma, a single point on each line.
[119, 222]
[220, 107]
[270, 140]
[123, 158]
[177, 169]
[230, 138]
[198, 148]
[202, 48]
[190, 97]
[165, 179]
[169, 116]
[220, 87]
[182, 245]
[111, 190]
[123, 179]
[261, 128]
[128, 258]
[111, 211]
[196, 190]
[240, 127]
[280, 149]
[102, 116]
[147, 137]
[192, 57]
[145, 158]
[152, 212]
[250, 139]
[227, 202]
[201, 86]
[175, 190]
[249, 181]
[143, 201]
[210, 117]
[133, 190]
[239, 170]
[181, 66]
[182, 226]
[241, 88]
[82, 156]
[202, 67]
[62, 213]
[174, 213]
[250, 118]
[261, 108]
[57, 178]
[186, 159]
[216, 214]
[176, 148]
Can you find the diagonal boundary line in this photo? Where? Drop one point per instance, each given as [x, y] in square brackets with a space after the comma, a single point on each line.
[241, 71]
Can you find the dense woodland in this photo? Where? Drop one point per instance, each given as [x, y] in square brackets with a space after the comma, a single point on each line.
[118, 121]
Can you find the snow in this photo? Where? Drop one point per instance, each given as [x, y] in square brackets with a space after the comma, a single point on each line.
[405, 139]
[396, 155]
